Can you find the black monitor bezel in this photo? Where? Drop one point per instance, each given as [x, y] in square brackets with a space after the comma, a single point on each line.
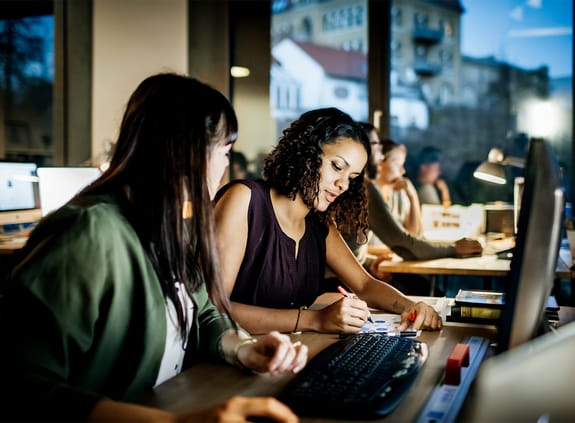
[532, 268]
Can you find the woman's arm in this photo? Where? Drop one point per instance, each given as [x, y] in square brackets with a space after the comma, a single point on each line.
[232, 410]
[389, 231]
[375, 293]
[231, 212]
[443, 188]
[347, 315]
[414, 221]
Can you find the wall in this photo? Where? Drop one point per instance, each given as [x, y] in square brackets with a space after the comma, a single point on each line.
[250, 37]
[132, 39]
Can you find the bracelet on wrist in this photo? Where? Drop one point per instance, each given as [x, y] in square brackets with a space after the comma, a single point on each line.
[241, 343]
[295, 331]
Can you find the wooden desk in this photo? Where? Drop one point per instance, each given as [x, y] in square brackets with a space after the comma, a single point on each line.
[208, 383]
[12, 245]
[487, 265]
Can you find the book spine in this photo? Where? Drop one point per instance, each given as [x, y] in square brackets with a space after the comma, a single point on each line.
[474, 314]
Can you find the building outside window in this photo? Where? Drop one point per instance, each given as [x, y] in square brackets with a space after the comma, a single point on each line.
[465, 76]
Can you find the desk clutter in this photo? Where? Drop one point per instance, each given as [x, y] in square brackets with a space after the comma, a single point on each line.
[484, 307]
[456, 221]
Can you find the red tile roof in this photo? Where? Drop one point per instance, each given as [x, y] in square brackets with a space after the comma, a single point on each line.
[336, 62]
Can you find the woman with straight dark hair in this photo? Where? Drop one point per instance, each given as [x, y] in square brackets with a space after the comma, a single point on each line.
[115, 291]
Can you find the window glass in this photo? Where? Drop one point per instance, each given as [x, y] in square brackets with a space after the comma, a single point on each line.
[26, 81]
[319, 58]
[470, 75]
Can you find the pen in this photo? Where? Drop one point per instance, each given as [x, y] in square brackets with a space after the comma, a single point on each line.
[348, 295]
[403, 333]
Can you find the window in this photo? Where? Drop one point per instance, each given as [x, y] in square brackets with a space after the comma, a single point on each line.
[26, 82]
[497, 74]
[396, 15]
[329, 68]
[457, 79]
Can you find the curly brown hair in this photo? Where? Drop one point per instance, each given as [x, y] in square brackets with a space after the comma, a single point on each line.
[294, 167]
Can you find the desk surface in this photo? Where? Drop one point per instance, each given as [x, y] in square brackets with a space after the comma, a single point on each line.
[486, 265]
[12, 245]
[208, 383]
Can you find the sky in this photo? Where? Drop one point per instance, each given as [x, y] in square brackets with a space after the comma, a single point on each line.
[525, 33]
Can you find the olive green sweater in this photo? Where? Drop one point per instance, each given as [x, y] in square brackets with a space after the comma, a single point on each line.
[84, 317]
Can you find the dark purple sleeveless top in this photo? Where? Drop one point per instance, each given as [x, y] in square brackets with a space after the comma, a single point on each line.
[270, 275]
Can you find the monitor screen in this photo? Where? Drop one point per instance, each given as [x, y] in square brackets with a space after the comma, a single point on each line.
[530, 280]
[18, 193]
[57, 185]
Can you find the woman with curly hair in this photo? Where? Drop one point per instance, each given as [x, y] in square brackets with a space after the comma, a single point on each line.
[276, 235]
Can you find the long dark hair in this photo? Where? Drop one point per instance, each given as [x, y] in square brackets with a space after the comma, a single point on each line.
[294, 166]
[159, 165]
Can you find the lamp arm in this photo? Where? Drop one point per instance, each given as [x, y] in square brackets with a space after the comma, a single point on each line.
[514, 161]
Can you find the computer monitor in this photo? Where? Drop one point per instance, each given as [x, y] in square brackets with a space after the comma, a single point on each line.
[532, 273]
[57, 185]
[18, 194]
[528, 380]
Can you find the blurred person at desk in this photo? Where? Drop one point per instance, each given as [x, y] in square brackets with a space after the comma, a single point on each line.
[239, 166]
[389, 232]
[397, 191]
[276, 235]
[394, 237]
[431, 187]
[117, 285]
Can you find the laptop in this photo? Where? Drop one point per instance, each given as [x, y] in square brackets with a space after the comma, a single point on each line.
[57, 185]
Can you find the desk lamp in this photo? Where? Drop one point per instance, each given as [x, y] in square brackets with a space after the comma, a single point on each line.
[492, 169]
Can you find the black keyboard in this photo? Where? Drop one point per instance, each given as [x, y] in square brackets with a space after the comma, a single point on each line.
[359, 376]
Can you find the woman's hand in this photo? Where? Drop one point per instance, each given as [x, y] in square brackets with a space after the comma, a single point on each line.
[239, 409]
[232, 410]
[420, 316]
[467, 247]
[346, 315]
[273, 353]
[377, 272]
[441, 185]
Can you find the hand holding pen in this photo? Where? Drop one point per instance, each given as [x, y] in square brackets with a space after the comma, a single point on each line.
[349, 295]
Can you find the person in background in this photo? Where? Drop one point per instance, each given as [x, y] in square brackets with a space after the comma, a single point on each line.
[276, 235]
[394, 237]
[121, 286]
[431, 188]
[397, 190]
[239, 166]
[376, 153]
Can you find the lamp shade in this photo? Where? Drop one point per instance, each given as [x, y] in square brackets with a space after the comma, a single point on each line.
[490, 172]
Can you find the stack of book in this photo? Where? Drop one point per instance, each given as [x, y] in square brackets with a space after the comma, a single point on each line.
[476, 306]
[485, 307]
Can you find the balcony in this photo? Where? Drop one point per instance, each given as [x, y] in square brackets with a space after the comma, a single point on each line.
[424, 68]
[426, 35]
